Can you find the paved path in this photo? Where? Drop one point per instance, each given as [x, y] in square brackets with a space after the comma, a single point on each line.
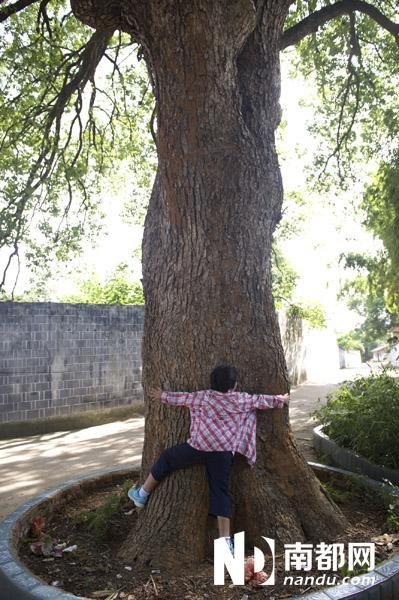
[32, 464]
[307, 398]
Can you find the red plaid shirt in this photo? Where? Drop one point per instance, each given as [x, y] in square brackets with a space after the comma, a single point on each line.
[223, 421]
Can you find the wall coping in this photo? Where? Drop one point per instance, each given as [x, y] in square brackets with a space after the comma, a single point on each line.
[10, 303]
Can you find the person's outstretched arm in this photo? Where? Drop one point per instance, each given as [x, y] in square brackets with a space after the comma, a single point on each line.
[177, 398]
[264, 401]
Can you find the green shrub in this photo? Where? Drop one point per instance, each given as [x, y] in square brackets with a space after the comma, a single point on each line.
[99, 520]
[363, 415]
[349, 342]
[119, 288]
[312, 313]
[390, 501]
[335, 494]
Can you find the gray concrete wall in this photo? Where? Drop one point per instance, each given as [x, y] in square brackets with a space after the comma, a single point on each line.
[60, 359]
[311, 354]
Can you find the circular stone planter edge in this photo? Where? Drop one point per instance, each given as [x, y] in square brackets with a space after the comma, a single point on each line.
[386, 573]
[18, 583]
[351, 460]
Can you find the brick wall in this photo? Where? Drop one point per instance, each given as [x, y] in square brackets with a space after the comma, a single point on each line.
[59, 359]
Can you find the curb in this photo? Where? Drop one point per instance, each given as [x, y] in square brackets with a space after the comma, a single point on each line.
[386, 573]
[18, 583]
[350, 460]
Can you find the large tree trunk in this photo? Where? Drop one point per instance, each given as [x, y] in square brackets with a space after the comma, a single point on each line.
[206, 261]
[206, 270]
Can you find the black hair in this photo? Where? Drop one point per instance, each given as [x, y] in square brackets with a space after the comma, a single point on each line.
[223, 378]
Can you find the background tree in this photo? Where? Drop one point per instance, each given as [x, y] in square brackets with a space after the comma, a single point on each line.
[381, 206]
[217, 196]
[374, 293]
[118, 288]
[369, 302]
[353, 63]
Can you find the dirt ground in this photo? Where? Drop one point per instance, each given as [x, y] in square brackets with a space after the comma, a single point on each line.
[94, 530]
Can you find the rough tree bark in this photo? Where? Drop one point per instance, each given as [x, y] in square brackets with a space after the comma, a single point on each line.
[206, 264]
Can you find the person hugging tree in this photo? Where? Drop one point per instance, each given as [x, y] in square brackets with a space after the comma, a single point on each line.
[223, 421]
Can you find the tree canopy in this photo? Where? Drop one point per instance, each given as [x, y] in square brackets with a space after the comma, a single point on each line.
[381, 206]
[354, 65]
[369, 302]
[217, 198]
[72, 109]
[374, 293]
[119, 288]
[75, 105]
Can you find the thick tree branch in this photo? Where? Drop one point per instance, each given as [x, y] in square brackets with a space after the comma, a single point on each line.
[43, 21]
[98, 14]
[314, 21]
[125, 15]
[12, 9]
[90, 57]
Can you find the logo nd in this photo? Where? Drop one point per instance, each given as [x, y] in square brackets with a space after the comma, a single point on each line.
[235, 564]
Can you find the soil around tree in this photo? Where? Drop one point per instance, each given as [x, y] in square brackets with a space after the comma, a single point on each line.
[92, 570]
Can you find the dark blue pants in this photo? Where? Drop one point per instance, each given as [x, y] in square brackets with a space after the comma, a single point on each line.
[218, 467]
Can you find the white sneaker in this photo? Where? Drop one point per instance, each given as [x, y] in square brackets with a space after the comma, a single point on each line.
[230, 544]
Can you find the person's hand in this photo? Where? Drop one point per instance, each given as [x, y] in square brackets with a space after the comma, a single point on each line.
[155, 393]
[286, 398]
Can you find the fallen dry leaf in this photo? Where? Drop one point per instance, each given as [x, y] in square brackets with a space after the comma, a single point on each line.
[386, 538]
[102, 593]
